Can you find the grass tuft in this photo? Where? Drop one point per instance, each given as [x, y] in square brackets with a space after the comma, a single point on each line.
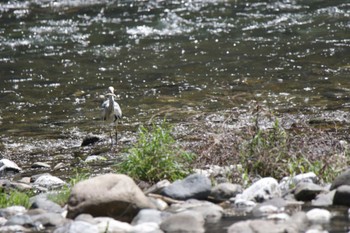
[156, 156]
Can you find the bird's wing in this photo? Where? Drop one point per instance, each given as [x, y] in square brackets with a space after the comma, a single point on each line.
[105, 104]
[117, 110]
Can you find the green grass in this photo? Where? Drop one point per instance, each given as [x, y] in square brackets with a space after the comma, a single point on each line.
[156, 156]
[14, 197]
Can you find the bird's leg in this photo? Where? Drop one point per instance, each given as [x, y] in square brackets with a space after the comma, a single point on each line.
[116, 132]
[111, 138]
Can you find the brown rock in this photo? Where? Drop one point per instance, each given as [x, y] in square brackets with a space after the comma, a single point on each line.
[112, 195]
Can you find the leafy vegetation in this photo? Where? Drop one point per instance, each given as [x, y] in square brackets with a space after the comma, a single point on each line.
[156, 156]
[14, 197]
[262, 146]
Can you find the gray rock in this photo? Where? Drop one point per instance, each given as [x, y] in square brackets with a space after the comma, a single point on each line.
[309, 177]
[275, 205]
[49, 219]
[107, 224]
[85, 218]
[307, 191]
[318, 216]
[112, 195]
[41, 202]
[210, 212]
[77, 227]
[342, 196]
[147, 227]
[59, 166]
[324, 199]
[342, 179]
[158, 187]
[49, 181]
[23, 220]
[7, 165]
[262, 190]
[14, 228]
[11, 211]
[225, 191]
[194, 186]
[187, 221]
[149, 215]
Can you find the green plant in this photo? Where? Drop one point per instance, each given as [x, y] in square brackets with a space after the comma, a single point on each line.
[156, 156]
[14, 197]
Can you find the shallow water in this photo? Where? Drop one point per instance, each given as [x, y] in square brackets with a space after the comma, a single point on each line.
[174, 58]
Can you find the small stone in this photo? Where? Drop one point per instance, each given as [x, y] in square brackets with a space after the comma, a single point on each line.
[59, 166]
[49, 219]
[45, 204]
[309, 177]
[23, 220]
[40, 165]
[148, 215]
[147, 227]
[14, 228]
[319, 216]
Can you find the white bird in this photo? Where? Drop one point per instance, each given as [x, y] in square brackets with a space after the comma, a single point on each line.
[111, 111]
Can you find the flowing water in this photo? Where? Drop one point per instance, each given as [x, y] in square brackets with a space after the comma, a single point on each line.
[177, 58]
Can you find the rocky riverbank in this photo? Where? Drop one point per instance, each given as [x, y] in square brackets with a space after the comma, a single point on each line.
[115, 203]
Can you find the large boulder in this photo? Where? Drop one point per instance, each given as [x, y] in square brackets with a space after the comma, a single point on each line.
[342, 179]
[194, 186]
[112, 195]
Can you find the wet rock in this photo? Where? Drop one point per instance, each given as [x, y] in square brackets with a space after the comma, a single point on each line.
[342, 179]
[90, 140]
[48, 181]
[14, 228]
[342, 196]
[40, 165]
[261, 226]
[41, 202]
[107, 224]
[149, 215]
[193, 186]
[22, 220]
[85, 218]
[147, 227]
[309, 177]
[159, 203]
[307, 191]
[225, 191]
[112, 195]
[187, 221]
[49, 219]
[12, 210]
[7, 165]
[262, 190]
[77, 227]
[319, 216]
[324, 199]
[211, 213]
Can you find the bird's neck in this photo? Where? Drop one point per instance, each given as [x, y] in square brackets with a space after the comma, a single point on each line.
[111, 100]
